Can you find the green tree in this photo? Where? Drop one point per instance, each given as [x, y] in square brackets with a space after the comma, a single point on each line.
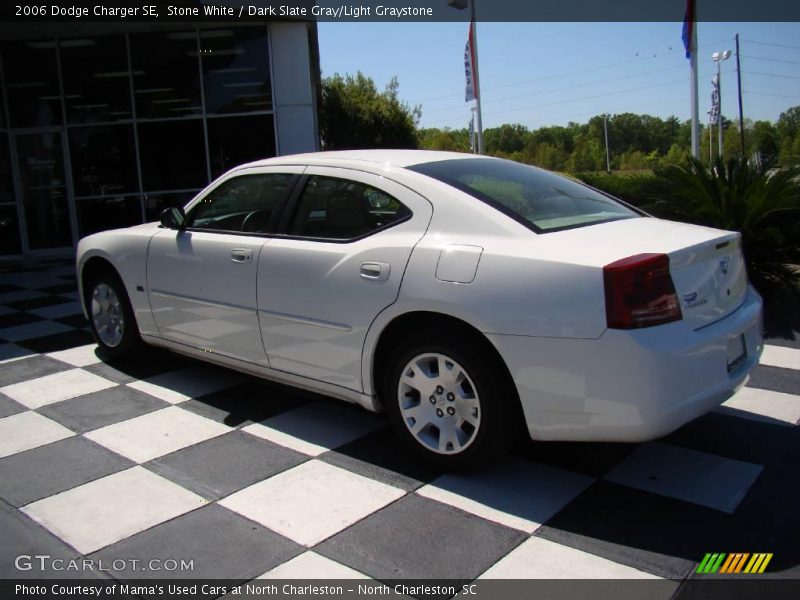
[452, 140]
[505, 139]
[354, 114]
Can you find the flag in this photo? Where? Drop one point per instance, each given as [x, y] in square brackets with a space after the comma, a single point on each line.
[714, 116]
[688, 26]
[469, 68]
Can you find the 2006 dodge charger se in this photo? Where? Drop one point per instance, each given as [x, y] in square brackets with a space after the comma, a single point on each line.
[466, 296]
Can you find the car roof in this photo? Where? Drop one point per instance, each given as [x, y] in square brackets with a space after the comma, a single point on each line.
[397, 158]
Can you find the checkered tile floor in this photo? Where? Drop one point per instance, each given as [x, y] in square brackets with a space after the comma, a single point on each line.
[164, 457]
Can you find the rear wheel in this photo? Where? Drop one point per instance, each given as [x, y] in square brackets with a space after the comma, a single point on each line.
[448, 403]
[111, 316]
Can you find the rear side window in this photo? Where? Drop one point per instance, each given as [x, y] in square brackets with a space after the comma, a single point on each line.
[245, 204]
[341, 209]
[538, 199]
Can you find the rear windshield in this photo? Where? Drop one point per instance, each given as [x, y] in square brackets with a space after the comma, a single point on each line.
[536, 198]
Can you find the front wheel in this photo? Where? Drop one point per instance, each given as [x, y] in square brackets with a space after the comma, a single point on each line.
[448, 402]
[111, 316]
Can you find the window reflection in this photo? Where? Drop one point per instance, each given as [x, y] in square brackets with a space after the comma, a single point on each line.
[9, 230]
[6, 177]
[31, 74]
[172, 155]
[166, 76]
[96, 79]
[236, 140]
[155, 203]
[235, 70]
[103, 160]
[110, 212]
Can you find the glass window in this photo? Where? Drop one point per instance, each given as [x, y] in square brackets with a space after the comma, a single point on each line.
[31, 72]
[96, 79]
[333, 208]
[154, 204]
[103, 160]
[6, 178]
[248, 203]
[9, 230]
[166, 74]
[172, 155]
[236, 70]
[539, 199]
[236, 140]
[109, 212]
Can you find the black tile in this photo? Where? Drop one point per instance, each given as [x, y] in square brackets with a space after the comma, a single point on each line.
[7, 287]
[29, 476]
[220, 543]
[726, 434]
[776, 379]
[62, 288]
[588, 458]
[68, 277]
[8, 407]
[78, 321]
[418, 538]
[380, 456]
[98, 409]
[225, 464]
[246, 403]
[30, 368]
[653, 533]
[18, 318]
[147, 363]
[23, 537]
[58, 341]
[42, 302]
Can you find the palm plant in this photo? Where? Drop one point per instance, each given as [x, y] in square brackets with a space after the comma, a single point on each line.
[763, 205]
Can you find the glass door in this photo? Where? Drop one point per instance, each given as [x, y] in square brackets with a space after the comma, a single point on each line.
[44, 189]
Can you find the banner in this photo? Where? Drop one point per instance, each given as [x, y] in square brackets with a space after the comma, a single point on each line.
[713, 114]
[469, 68]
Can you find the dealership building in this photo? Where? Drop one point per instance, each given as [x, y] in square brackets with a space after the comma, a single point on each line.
[102, 125]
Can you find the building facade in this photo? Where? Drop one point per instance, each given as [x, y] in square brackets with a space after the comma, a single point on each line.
[104, 128]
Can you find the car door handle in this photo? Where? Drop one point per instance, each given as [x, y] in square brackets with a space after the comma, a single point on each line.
[376, 271]
[241, 255]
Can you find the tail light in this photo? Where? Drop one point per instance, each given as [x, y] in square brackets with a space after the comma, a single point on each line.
[640, 292]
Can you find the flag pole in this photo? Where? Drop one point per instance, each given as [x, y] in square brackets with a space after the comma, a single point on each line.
[695, 101]
[479, 119]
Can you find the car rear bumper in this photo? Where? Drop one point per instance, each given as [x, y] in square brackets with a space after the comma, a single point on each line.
[630, 386]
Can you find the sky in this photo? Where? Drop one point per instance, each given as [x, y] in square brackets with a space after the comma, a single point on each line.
[540, 74]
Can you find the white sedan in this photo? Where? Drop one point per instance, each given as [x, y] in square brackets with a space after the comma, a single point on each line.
[467, 297]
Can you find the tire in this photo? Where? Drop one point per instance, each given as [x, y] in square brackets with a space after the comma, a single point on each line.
[448, 403]
[111, 316]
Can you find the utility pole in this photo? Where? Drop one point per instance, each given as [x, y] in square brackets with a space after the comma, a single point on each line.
[608, 156]
[741, 112]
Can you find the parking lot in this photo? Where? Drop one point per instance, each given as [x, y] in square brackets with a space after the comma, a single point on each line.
[167, 459]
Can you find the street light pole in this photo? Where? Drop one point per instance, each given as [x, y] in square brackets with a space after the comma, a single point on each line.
[718, 57]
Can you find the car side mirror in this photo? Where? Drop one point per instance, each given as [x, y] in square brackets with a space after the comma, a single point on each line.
[173, 218]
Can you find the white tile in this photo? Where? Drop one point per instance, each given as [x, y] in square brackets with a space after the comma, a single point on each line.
[181, 385]
[316, 427]
[33, 330]
[538, 558]
[688, 475]
[56, 387]
[56, 311]
[79, 356]
[27, 430]
[157, 433]
[518, 494]
[763, 405]
[778, 356]
[310, 565]
[104, 511]
[312, 501]
[11, 352]
[20, 295]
